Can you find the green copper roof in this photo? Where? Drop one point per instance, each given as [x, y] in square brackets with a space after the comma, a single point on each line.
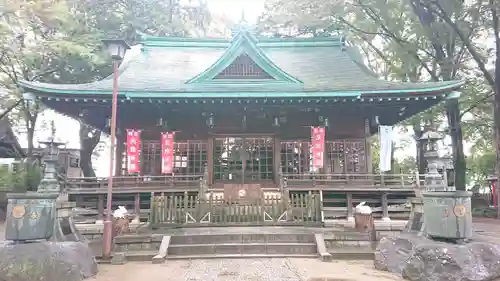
[184, 67]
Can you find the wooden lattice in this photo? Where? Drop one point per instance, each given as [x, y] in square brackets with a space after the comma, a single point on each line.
[243, 159]
[243, 67]
[190, 157]
[342, 156]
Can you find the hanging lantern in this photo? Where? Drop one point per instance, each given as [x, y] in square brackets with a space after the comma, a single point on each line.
[326, 123]
[276, 121]
[161, 122]
[210, 122]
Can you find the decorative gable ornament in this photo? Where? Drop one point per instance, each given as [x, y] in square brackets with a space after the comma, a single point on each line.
[244, 63]
[243, 67]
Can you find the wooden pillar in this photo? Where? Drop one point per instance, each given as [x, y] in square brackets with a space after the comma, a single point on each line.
[100, 207]
[368, 150]
[385, 207]
[137, 207]
[277, 159]
[350, 214]
[120, 149]
[210, 160]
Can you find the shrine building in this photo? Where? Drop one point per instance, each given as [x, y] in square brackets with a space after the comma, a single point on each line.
[242, 110]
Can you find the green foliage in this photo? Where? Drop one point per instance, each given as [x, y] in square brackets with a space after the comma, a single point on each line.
[401, 42]
[60, 42]
[26, 177]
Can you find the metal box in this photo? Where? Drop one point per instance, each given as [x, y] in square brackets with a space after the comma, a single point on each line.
[30, 216]
[448, 214]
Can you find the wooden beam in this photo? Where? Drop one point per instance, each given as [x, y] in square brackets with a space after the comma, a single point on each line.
[277, 159]
[368, 146]
[210, 160]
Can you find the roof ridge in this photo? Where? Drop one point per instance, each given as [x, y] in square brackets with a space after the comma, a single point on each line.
[261, 41]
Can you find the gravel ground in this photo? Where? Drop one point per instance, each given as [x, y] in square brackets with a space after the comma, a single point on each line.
[245, 270]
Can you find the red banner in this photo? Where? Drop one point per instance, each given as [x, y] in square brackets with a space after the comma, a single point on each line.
[167, 152]
[133, 151]
[318, 146]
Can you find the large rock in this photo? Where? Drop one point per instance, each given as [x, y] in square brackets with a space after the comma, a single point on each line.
[393, 253]
[418, 258]
[64, 261]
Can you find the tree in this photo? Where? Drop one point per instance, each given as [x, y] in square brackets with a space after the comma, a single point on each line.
[34, 45]
[413, 42]
[60, 42]
[129, 19]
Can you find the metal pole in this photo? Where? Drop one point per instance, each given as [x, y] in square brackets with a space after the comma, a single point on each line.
[108, 223]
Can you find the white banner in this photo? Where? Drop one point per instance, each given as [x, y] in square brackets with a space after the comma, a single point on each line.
[385, 148]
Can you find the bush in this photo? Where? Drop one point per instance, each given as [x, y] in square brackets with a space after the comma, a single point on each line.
[27, 177]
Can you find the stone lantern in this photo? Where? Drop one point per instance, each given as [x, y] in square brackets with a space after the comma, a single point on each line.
[39, 215]
[446, 212]
[433, 179]
[49, 182]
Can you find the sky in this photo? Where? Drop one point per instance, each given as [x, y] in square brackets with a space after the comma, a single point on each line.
[67, 130]
[233, 9]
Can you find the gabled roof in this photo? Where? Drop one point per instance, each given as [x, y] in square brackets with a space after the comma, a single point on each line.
[243, 44]
[165, 67]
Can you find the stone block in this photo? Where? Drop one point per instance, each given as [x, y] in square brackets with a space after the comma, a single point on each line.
[118, 258]
[253, 238]
[134, 246]
[326, 257]
[418, 258]
[41, 261]
[158, 259]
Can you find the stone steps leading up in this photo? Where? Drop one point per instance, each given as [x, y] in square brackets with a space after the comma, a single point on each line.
[352, 253]
[241, 256]
[241, 245]
[239, 242]
[350, 245]
[243, 249]
[241, 238]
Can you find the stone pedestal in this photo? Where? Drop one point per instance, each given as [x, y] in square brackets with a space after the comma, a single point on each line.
[30, 216]
[448, 215]
[416, 220]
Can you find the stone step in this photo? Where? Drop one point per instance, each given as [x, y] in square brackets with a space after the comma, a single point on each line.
[140, 255]
[347, 236]
[352, 253]
[241, 238]
[243, 248]
[131, 256]
[236, 256]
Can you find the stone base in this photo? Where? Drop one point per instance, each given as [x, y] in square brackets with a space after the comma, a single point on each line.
[41, 261]
[418, 258]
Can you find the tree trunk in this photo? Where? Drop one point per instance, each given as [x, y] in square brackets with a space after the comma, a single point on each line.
[86, 163]
[497, 120]
[89, 138]
[30, 136]
[453, 113]
[421, 162]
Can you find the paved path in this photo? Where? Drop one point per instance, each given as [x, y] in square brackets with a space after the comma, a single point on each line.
[246, 270]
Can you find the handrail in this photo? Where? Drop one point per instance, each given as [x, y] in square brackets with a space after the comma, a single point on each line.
[135, 178]
[130, 183]
[403, 180]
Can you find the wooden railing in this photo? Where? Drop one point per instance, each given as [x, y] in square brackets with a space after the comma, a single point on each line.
[130, 184]
[356, 181]
[182, 210]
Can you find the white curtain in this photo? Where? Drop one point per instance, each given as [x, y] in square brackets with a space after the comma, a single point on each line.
[385, 148]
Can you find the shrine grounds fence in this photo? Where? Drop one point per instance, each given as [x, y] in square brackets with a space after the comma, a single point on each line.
[169, 210]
